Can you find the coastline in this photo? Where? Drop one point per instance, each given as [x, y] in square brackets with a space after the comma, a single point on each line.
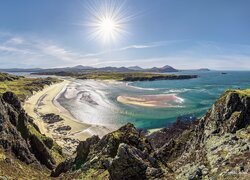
[44, 102]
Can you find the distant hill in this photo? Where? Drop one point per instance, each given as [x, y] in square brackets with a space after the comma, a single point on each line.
[163, 69]
[81, 68]
[21, 70]
[136, 68]
[204, 69]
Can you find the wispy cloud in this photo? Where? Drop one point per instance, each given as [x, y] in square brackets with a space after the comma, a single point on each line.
[15, 41]
[36, 52]
[25, 51]
[134, 46]
[57, 52]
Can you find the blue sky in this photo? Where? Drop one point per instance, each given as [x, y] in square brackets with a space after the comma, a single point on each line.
[183, 34]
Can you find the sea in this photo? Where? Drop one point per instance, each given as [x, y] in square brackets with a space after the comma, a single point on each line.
[96, 102]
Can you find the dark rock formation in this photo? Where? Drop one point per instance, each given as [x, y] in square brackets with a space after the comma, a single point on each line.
[16, 134]
[63, 128]
[209, 148]
[118, 152]
[159, 77]
[8, 77]
[128, 163]
[159, 138]
[51, 118]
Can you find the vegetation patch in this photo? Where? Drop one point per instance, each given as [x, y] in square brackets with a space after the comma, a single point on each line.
[54, 148]
[23, 87]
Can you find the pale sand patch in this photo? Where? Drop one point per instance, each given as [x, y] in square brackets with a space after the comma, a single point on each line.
[161, 100]
[110, 81]
[43, 102]
[135, 101]
[150, 131]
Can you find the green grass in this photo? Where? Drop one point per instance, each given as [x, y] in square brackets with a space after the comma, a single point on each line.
[56, 150]
[120, 76]
[23, 87]
[8, 77]
[243, 93]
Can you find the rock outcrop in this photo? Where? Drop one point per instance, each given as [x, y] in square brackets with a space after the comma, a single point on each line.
[20, 137]
[214, 147]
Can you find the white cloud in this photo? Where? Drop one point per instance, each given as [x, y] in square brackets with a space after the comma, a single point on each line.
[15, 41]
[135, 46]
[57, 52]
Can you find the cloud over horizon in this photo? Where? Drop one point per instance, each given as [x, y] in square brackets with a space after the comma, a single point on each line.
[30, 52]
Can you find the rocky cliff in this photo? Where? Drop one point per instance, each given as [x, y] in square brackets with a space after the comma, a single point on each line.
[24, 151]
[214, 147]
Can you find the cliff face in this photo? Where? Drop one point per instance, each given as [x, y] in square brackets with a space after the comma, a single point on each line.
[23, 150]
[216, 146]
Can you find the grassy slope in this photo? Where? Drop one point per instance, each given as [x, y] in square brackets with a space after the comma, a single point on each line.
[23, 87]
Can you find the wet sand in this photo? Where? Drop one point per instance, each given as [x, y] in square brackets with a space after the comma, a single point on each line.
[44, 102]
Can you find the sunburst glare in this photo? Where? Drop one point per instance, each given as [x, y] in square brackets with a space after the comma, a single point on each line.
[108, 20]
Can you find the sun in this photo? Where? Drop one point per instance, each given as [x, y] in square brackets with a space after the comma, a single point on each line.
[108, 20]
[108, 26]
[108, 29]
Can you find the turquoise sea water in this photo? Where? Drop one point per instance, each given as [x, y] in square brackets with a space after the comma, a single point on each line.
[95, 102]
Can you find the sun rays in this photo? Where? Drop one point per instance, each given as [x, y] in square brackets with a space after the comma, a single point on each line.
[108, 20]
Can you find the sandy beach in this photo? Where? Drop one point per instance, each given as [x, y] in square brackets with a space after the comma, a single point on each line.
[44, 102]
[161, 100]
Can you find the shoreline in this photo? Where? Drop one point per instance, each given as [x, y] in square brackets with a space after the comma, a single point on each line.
[44, 102]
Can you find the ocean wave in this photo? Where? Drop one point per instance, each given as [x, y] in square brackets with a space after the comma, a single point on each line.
[179, 100]
[141, 88]
[177, 90]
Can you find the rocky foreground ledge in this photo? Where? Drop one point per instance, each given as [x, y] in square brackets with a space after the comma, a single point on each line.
[214, 147]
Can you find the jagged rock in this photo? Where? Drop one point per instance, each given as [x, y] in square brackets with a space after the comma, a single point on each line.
[10, 137]
[15, 135]
[12, 99]
[41, 152]
[128, 164]
[63, 128]
[105, 154]
[51, 118]
[163, 136]
[83, 148]
[63, 167]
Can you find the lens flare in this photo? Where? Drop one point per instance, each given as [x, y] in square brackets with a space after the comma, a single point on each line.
[108, 20]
